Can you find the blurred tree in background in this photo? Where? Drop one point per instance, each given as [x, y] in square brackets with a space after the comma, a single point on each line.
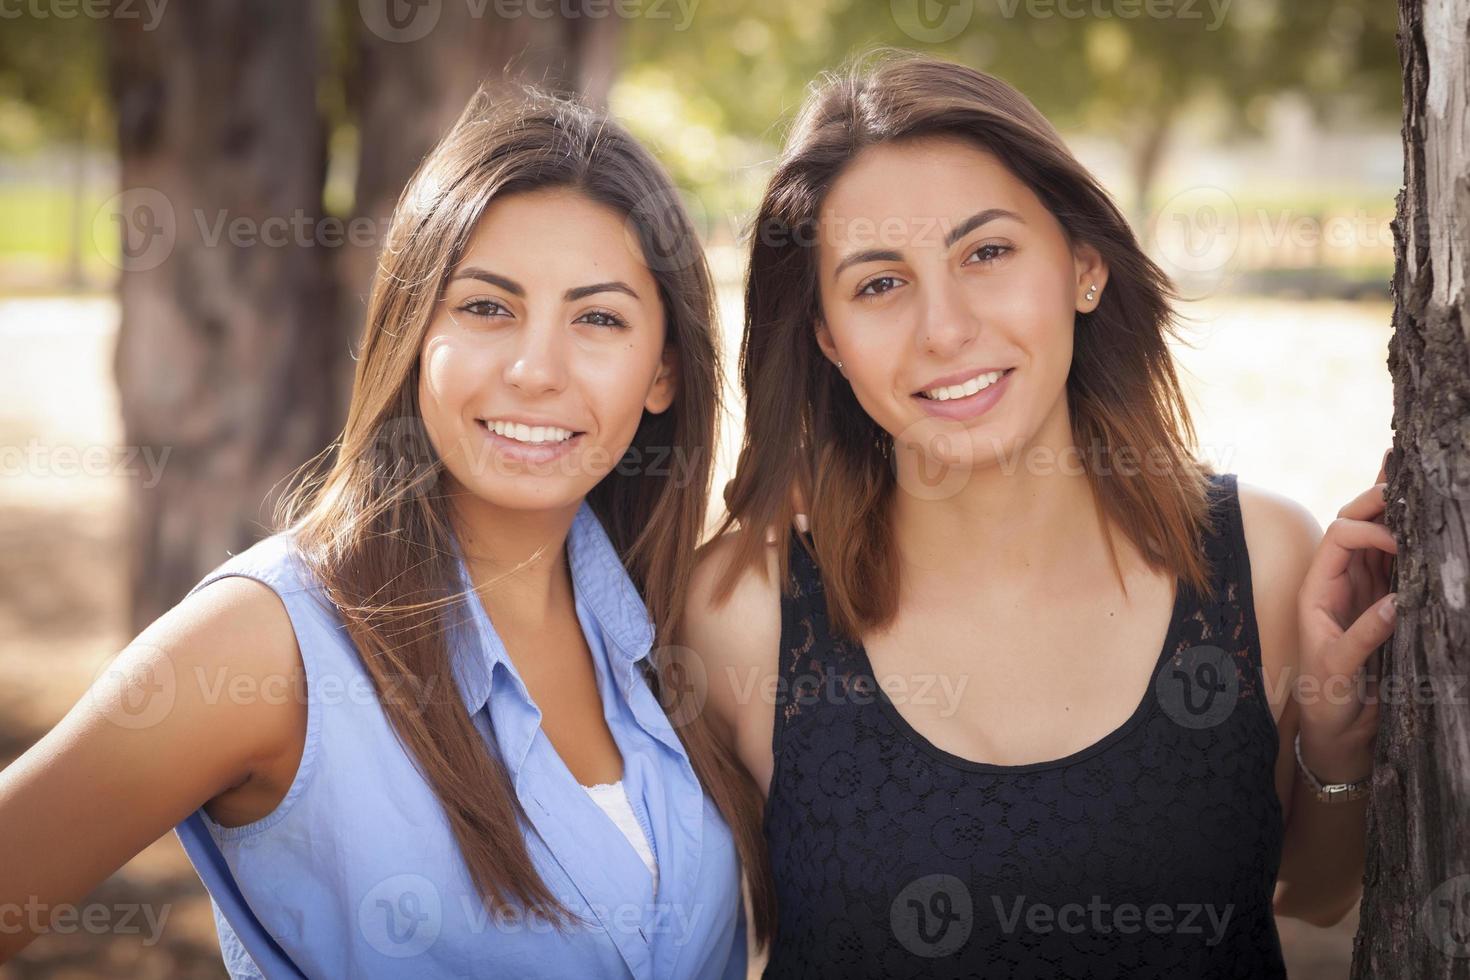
[232, 354]
[726, 86]
[241, 293]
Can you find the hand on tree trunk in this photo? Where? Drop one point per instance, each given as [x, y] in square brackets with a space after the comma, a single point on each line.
[1346, 613]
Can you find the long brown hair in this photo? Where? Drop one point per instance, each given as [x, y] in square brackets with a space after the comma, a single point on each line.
[375, 528]
[805, 428]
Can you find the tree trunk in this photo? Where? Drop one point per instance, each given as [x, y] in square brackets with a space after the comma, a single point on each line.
[1147, 154]
[1415, 919]
[240, 303]
[221, 353]
[414, 74]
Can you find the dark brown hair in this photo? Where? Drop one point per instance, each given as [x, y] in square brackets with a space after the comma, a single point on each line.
[805, 428]
[376, 527]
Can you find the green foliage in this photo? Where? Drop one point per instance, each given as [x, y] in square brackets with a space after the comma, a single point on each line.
[52, 79]
[730, 80]
[712, 84]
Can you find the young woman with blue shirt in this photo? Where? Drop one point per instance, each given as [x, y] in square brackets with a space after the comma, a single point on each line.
[417, 732]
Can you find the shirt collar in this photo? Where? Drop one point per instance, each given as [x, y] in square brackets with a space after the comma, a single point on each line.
[599, 581]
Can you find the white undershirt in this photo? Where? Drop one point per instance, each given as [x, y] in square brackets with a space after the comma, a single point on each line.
[613, 799]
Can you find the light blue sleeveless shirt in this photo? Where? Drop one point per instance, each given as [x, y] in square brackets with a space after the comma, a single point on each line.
[357, 874]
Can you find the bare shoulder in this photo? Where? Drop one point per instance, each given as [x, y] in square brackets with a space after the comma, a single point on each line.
[753, 605]
[1281, 536]
[227, 664]
[166, 727]
[229, 651]
[742, 629]
[714, 558]
[735, 639]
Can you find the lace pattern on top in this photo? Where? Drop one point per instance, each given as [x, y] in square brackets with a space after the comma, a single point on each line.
[1150, 853]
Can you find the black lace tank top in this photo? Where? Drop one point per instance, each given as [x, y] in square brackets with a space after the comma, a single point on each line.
[1151, 853]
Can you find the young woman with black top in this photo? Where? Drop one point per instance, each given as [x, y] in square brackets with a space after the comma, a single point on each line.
[1024, 692]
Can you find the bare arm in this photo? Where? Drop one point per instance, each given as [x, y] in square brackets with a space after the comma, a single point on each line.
[153, 739]
[1324, 849]
[736, 646]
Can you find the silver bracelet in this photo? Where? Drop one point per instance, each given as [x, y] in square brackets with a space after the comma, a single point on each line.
[1331, 792]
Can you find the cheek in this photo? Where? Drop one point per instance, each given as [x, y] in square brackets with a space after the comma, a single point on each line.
[451, 378]
[872, 345]
[616, 382]
[872, 342]
[1038, 313]
[870, 375]
[443, 375]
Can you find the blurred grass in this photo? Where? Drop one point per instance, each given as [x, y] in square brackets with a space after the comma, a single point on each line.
[38, 218]
[36, 233]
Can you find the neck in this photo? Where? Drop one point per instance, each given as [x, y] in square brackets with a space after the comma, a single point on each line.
[516, 559]
[1023, 521]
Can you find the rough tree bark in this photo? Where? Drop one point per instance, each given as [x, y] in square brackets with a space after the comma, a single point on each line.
[1415, 918]
[240, 304]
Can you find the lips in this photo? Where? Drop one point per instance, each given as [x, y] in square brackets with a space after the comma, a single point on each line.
[969, 406]
[510, 448]
[959, 378]
[962, 389]
[530, 433]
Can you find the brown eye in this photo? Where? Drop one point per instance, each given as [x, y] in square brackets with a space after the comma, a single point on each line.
[602, 318]
[484, 307]
[994, 252]
[878, 286]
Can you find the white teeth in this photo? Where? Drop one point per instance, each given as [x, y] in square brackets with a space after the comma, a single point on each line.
[528, 433]
[977, 383]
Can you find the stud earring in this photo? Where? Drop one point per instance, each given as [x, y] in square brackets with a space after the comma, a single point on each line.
[1091, 292]
[839, 365]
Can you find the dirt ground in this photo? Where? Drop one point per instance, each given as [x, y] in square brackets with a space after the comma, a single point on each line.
[63, 524]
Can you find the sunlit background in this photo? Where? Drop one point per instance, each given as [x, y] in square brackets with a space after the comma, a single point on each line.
[1255, 145]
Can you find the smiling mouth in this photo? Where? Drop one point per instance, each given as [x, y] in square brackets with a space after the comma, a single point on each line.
[530, 435]
[964, 389]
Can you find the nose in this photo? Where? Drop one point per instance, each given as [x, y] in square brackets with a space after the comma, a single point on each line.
[948, 322]
[538, 362]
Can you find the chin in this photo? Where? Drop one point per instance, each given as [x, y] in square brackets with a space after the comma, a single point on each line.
[950, 443]
[529, 492]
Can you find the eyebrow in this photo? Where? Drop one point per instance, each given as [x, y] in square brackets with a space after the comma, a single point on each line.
[976, 220]
[570, 296]
[867, 255]
[616, 286]
[955, 234]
